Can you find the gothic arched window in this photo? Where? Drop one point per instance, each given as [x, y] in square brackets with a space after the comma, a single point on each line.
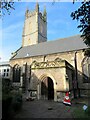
[86, 69]
[16, 73]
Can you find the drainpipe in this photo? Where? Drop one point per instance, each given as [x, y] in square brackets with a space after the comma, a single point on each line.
[26, 81]
[76, 76]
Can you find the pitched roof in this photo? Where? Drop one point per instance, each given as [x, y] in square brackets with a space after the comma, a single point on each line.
[57, 46]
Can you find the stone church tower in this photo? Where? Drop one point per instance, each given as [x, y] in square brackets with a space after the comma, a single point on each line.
[35, 27]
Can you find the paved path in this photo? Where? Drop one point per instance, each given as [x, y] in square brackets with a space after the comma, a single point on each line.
[39, 109]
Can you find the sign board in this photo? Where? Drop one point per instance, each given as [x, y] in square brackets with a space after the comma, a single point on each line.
[84, 107]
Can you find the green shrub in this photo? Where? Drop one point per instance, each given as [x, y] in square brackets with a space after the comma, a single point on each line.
[6, 103]
[16, 100]
[16, 106]
[11, 100]
[88, 111]
[6, 98]
[80, 113]
[6, 86]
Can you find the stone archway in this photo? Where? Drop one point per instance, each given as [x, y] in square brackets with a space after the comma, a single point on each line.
[47, 88]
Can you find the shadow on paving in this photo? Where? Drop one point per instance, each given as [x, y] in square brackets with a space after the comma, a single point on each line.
[44, 109]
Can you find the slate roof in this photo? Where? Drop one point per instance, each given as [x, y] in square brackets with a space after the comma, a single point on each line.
[57, 46]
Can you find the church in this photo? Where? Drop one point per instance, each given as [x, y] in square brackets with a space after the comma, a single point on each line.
[48, 69]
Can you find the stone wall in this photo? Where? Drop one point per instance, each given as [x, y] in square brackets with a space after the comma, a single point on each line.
[57, 75]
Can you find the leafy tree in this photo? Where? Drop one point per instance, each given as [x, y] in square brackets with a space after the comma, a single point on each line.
[6, 6]
[83, 16]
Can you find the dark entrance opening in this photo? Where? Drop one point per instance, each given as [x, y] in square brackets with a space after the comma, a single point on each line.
[47, 89]
[50, 89]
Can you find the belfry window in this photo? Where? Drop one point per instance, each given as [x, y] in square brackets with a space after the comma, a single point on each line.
[86, 69]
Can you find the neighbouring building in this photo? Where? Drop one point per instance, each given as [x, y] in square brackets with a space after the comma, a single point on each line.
[5, 70]
[49, 68]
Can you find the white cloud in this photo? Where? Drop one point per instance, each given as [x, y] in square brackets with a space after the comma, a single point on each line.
[12, 27]
[59, 22]
[52, 32]
[0, 39]
[6, 53]
[11, 39]
[11, 31]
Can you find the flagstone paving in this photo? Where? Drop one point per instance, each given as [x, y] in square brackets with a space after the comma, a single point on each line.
[45, 109]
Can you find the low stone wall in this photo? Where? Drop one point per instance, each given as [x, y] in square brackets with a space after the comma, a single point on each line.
[85, 92]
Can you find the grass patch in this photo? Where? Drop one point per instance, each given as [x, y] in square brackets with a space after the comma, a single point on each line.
[80, 113]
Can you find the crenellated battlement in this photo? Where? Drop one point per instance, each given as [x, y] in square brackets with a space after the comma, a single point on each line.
[30, 13]
[34, 12]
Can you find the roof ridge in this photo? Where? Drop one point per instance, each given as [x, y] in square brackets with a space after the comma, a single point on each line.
[67, 37]
[52, 41]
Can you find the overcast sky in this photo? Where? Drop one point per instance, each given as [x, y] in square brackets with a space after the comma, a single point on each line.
[59, 24]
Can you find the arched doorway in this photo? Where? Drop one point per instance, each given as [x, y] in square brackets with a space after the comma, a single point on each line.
[47, 88]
